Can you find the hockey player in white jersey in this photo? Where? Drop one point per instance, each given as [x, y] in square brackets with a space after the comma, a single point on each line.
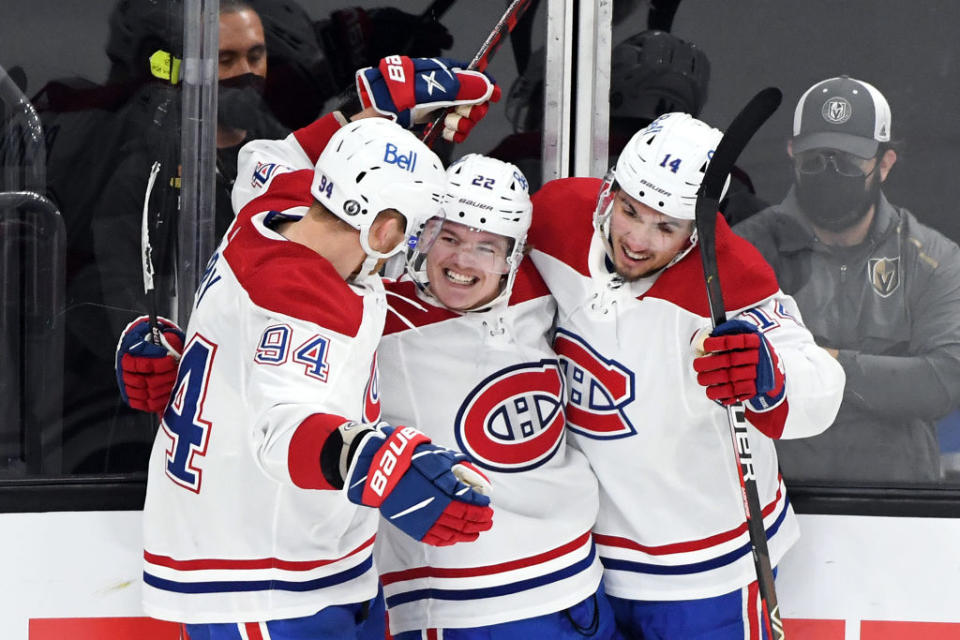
[643, 397]
[473, 320]
[466, 356]
[258, 518]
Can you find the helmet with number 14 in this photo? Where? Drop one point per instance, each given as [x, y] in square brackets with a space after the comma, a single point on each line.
[473, 254]
[646, 206]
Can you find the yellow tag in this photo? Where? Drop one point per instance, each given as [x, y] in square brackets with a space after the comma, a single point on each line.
[165, 66]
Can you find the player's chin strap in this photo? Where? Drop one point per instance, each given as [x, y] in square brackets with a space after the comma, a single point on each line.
[692, 242]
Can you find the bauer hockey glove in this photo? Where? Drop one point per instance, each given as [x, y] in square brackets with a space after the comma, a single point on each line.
[431, 493]
[408, 89]
[740, 365]
[146, 372]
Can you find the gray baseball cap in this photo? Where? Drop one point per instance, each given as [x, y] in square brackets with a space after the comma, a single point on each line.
[841, 113]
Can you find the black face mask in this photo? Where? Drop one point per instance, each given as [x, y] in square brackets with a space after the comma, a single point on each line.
[240, 102]
[833, 201]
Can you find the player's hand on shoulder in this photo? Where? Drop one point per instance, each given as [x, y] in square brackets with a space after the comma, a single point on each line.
[146, 372]
[408, 90]
[738, 364]
[431, 493]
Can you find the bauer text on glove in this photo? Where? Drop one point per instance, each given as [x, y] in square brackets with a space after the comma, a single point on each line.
[431, 493]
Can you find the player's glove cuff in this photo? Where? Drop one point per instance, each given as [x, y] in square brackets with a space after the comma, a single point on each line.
[381, 460]
[431, 493]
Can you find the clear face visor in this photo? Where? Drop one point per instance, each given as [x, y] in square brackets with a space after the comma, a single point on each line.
[466, 246]
[601, 216]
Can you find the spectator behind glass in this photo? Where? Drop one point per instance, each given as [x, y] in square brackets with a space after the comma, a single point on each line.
[102, 199]
[879, 291]
[651, 73]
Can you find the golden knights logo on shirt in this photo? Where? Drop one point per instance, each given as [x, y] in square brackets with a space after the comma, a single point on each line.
[884, 275]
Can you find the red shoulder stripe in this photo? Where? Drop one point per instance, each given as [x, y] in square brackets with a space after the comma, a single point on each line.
[528, 284]
[416, 316]
[286, 191]
[563, 220]
[289, 278]
[315, 136]
[745, 277]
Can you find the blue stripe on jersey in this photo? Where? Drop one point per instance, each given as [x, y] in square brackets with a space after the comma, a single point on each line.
[617, 564]
[492, 592]
[258, 585]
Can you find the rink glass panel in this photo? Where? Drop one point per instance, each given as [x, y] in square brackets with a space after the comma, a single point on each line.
[77, 143]
[910, 53]
[62, 412]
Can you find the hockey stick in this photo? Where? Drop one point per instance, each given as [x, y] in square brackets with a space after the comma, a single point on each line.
[163, 219]
[480, 61]
[146, 257]
[708, 199]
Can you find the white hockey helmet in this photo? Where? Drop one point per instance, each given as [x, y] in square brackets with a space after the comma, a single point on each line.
[371, 165]
[662, 167]
[663, 164]
[489, 195]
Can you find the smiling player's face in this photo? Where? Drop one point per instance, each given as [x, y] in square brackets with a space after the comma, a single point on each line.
[643, 239]
[465, 266]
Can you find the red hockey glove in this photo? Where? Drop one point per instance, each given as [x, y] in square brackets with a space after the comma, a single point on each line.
[145, 371]
[431, 493]
[458, 124]
[740, 365]
[408, 89]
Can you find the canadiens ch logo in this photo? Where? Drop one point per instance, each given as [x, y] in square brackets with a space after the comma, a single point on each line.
[371, 396]
[599, 389]
[837, 110]
[513, 420]
[884, 274]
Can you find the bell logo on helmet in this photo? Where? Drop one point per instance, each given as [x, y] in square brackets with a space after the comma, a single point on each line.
[407, 161]
[351, 207]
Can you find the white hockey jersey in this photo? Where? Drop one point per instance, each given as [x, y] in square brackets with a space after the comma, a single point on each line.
[239, 523]
[488, 384]
[671, 523]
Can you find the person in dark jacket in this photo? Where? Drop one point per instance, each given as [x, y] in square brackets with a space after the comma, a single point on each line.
[879, 290]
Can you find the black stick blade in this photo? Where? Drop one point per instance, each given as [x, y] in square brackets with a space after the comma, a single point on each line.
[738, 134]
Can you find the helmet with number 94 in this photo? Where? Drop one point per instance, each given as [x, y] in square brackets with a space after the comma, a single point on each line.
[372, 165]
[486, 195]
